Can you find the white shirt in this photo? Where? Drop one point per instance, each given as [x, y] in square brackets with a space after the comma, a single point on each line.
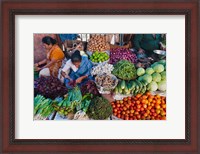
[69, 65]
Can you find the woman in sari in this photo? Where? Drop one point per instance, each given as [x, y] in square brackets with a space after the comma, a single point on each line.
[54, 58]
[77, 70]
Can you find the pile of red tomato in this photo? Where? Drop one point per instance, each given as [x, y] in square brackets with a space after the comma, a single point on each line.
[140, 107]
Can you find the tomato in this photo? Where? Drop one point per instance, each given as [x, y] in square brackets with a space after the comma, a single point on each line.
[123, 112]
[122, 105]
[154, 114]
[150, 100]
[144, 97]
[124, 108]
[163, 118]
[138, 109]
[149, 107]
[115, 110]
[122, 116]
[132, 111]
[117, 101]
[157, 111]
[131, 108]
[157, 106]
[119, 116]
[137, 102]
[143, 101]
[129, 98]
[126, 118]
[131, 119]
[136, 113]
[127, 112]
[138, 106]
[138, 116]
[152, 110]
[131, 115]
[121, 109]
[121, 102]
[127, 106]
[157, 118]
[163, 113]
[115, 114]
[144, 105]
[141, 109]
[134, 107]
[125, 99]
[148, 93]
[163, 106]
[118, 112]
[145, 115]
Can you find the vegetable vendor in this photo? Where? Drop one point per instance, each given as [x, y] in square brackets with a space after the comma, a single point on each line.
[146, 43]
[77, 69]
[54, 58]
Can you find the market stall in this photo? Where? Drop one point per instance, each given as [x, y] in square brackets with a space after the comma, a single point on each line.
[124, 86]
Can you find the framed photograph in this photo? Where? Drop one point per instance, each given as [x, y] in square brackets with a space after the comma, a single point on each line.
[104, 76]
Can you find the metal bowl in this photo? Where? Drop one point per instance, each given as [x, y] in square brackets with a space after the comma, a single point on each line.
[160, 52]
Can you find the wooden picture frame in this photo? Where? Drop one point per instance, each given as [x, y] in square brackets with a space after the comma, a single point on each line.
[114, 7]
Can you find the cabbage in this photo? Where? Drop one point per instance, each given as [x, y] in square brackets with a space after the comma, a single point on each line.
[147, 78]
[156, 77]
[163, 62]
[152, 86]
[162, 86]
[149, 71]
[158, 68]
[163, 75]
[140, 71]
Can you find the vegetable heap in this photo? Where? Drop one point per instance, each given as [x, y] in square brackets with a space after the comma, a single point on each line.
[90, 87]
[69, 103]
[98, 43]
[124, 70]
[155, 76]
[42, 106]
[99, 109]
[106, 81]
[122, 54]
[102, 68]
[49, 87]
[131, 87]
[98, 57]
[141, 107]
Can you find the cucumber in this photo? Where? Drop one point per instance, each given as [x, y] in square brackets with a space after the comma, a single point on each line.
[123, 84]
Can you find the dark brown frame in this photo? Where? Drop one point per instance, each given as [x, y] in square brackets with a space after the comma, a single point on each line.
[114, 7]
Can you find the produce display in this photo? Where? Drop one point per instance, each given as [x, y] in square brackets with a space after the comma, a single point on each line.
[90, 87]
[98, 43]
[122, 54]
[155, 76]
[69, 103]
[125, 70]
[99, 109]
[106, 81]
[140, 107]
[132, 87]
[102, 68]
[42, 106]
[125, 84]
[99, 57]
[49, 87]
